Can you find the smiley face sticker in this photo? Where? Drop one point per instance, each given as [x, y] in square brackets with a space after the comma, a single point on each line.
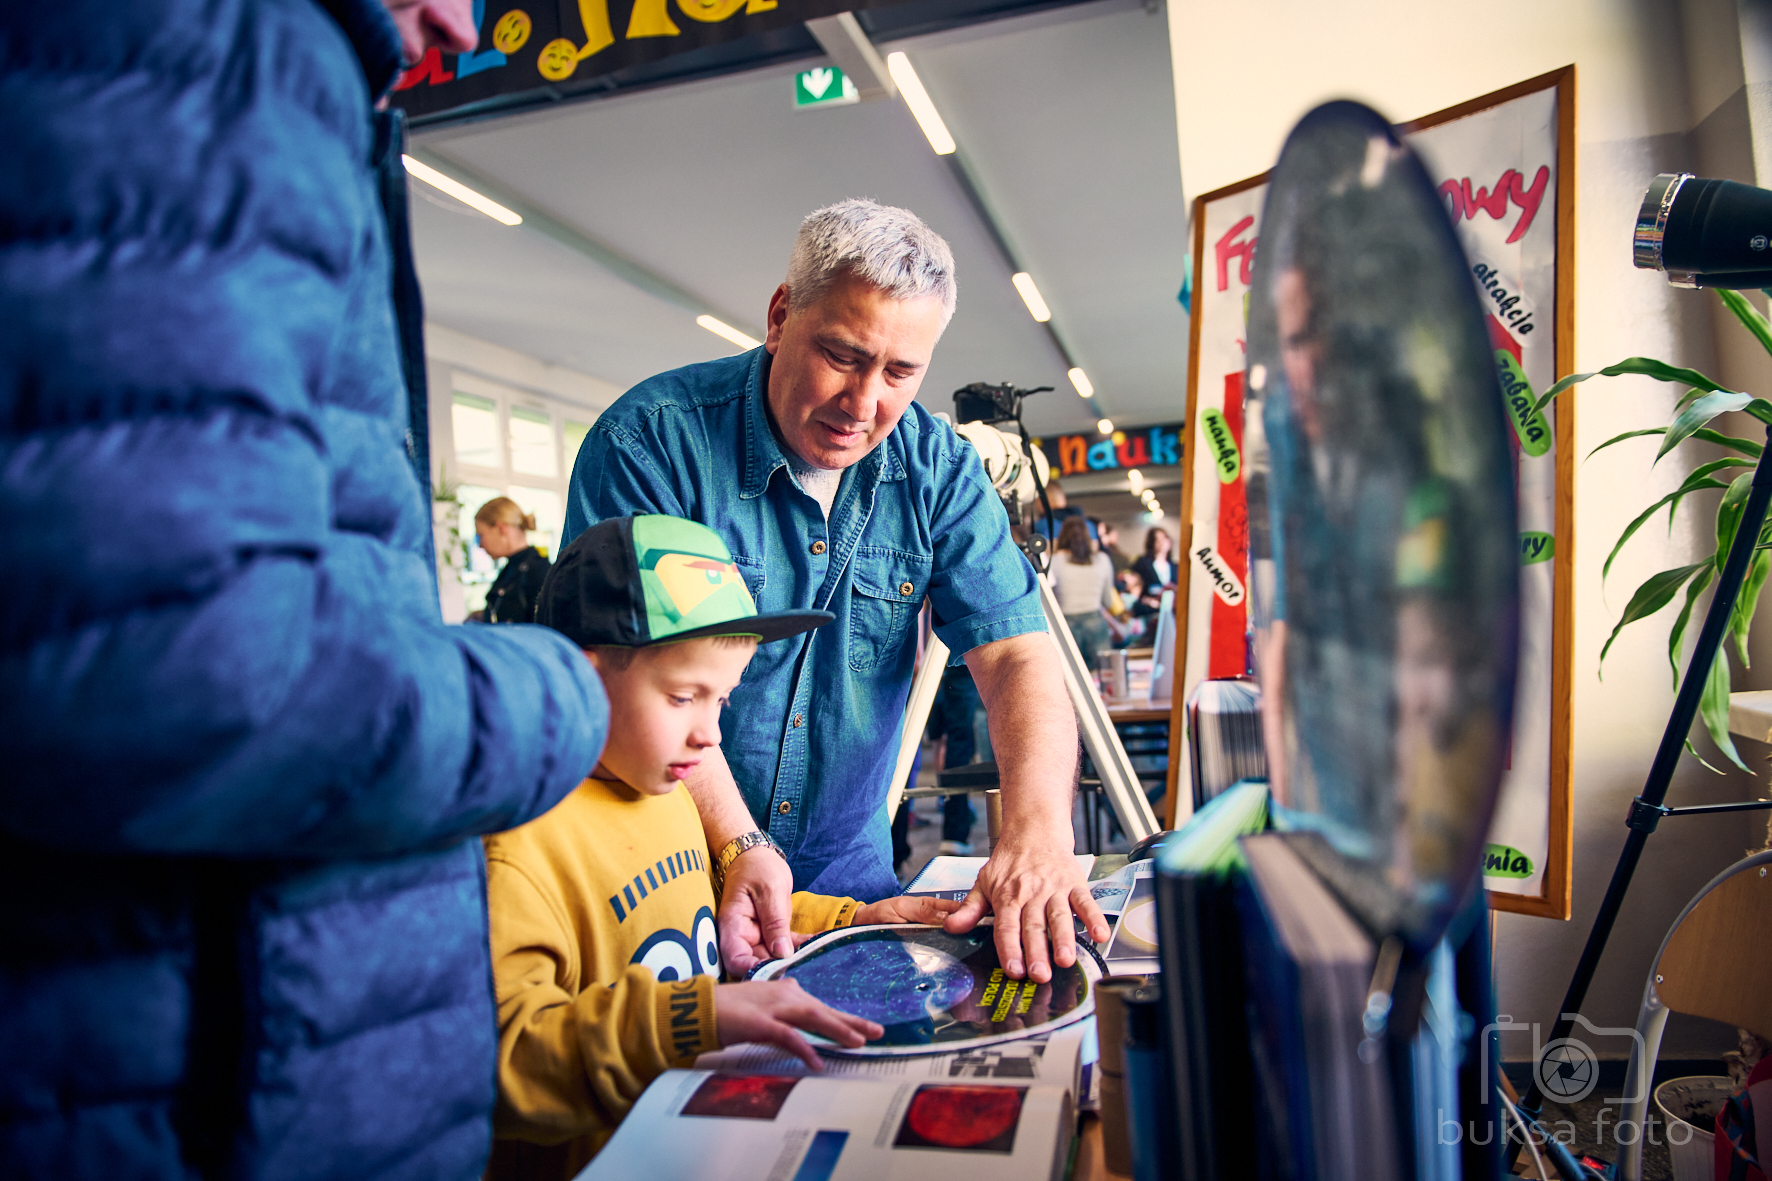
[558, 59]
[512, 31]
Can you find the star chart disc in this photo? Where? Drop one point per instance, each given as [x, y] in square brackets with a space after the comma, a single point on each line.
[1385, 569]
[932, 991]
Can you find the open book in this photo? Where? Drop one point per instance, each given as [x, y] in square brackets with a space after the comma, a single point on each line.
[999, 1112]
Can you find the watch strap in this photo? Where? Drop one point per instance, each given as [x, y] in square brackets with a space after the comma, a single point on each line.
[736, 847]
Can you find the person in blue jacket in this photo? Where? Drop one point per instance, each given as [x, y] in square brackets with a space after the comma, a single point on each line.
[243, 764]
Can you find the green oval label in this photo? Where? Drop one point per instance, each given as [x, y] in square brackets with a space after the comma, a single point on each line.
[1536, 547]
[1516, 392]
[1505, 861]
[1221, 444]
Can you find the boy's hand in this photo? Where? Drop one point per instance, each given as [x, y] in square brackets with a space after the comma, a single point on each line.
[906, 909]
[774, 1011]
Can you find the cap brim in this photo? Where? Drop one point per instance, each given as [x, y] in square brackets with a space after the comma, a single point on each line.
[776, 625]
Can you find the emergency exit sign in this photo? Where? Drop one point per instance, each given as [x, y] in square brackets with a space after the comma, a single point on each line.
[823, 87]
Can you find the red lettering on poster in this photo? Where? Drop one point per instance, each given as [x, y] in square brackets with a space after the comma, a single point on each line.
[1227, 248]
[429, 69]
[1528, 199]
[1228, 653]
[1510, 187]
[1132, 452]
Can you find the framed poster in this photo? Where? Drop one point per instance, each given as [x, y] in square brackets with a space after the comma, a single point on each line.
[1505, 163]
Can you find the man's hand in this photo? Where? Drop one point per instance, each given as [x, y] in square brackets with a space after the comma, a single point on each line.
[755, 911]
[1034, 890]
[906, 909]
[774, 1011]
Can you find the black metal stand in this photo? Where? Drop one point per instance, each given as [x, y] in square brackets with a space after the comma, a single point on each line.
[1647, 809]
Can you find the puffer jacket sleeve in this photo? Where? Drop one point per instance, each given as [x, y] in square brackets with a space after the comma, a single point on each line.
[228, 640]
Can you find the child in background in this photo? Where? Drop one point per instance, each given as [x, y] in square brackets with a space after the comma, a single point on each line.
[604, 946]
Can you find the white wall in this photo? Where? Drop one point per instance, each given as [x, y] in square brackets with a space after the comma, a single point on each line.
[1649, 72]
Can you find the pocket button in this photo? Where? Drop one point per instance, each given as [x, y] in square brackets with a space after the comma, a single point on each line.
[905, 588]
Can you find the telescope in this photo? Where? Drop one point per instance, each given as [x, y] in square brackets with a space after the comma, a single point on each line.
[1705, 232]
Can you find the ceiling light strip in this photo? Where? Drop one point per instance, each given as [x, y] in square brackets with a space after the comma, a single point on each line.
[910, 88]
[727, 332]
[461, 192]
[1030, 295]
[571, 237]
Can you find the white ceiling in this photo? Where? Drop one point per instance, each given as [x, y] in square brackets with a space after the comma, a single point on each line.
[1066, 118]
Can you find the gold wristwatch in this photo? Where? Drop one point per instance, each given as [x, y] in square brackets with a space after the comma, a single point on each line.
[733, 849]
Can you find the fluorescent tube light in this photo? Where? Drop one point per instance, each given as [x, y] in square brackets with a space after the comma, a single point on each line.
[910, 88]
[727, 332]
[1105, 426]
[461, 192]
[1081, 381]
[1030, 295]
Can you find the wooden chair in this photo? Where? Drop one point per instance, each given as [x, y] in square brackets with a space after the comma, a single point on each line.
[1715, 962]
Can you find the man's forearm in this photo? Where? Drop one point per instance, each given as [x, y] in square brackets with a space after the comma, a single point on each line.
[716, 795]
[1033, 733]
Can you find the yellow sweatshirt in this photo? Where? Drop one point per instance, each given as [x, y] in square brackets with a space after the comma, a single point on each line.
[605, 956]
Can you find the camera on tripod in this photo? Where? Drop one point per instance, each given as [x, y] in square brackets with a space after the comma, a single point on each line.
[987, 403]
[1017, 469]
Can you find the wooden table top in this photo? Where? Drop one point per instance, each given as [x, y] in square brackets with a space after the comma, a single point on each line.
[1137, 709]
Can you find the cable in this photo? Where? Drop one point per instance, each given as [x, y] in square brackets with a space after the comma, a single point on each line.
[1525, 1135]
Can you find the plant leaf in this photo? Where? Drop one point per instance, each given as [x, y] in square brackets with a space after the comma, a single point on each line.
[1693, 751]
[1700, 412]
[1653, 430]
[1741, 618]
[1676, 639]
[1729, 512]
[1655, 593]
[1637, 366]
[1713, 707]
[1745, 446]
[1749, 315]
[1693, 483]
[1698, 478]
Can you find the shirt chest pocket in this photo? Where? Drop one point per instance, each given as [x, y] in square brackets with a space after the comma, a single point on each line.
[887, 591]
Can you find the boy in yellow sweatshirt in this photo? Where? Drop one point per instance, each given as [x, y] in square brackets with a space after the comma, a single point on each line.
[604, 946]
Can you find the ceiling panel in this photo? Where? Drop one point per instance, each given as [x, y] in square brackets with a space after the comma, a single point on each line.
[705, 184]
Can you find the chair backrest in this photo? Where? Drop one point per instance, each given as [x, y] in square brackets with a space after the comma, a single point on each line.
[1717, 959]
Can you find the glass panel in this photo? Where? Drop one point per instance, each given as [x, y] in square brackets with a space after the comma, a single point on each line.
[477, 567]
[532, 442]
[575, 438]
[476, 431]
[549, 513]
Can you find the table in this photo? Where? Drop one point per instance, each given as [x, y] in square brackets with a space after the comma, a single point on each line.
[1090, 1165]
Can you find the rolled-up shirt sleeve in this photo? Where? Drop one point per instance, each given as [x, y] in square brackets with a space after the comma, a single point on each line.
[981, 585]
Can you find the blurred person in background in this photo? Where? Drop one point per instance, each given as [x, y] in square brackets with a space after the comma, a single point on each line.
[242, 896]
[1109, 537]
[502, 529]
[1156, 567]
[1083, 582]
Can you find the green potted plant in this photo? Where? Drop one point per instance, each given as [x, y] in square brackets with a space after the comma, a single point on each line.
[1702, 401]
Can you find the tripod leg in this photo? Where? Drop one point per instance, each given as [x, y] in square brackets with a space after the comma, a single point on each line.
[916, 716]
[1112, 767]
[1645, 811]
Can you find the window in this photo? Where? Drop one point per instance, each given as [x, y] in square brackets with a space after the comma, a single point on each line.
[516, 444]
[477, 442]
[532, 443]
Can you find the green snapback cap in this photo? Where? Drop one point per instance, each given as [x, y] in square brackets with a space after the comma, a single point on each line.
[634, 581]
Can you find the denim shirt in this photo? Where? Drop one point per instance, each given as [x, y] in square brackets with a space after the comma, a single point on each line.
[812, 731]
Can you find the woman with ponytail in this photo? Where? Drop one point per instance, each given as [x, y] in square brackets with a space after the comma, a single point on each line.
[502, 529]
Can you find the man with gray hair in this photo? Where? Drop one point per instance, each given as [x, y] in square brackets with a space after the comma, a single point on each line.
[836, 492]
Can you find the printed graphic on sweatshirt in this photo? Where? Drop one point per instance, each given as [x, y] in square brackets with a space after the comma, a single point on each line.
[671, 955]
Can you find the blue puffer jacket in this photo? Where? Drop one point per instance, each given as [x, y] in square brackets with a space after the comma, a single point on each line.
[242, 762]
